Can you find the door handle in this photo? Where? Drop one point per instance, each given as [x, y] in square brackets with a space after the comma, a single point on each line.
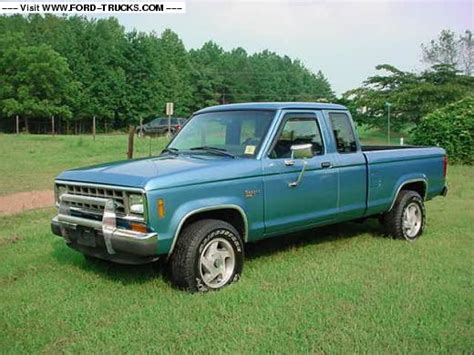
[326, 165]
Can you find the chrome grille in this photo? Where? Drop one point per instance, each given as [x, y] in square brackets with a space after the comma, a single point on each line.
[88, 205]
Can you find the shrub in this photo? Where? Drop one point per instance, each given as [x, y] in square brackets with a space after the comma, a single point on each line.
[452, 128]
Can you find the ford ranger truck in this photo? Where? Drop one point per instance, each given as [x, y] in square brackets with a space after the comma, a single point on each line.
[240, 173]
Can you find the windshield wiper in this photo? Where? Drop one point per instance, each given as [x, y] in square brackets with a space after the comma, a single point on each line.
[215, 150]
[170, 150]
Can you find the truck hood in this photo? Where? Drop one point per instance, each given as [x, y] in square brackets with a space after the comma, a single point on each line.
[165, 171]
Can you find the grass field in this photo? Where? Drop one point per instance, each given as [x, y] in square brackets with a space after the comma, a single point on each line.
[30, 162]
[368, 135]
[338, 289]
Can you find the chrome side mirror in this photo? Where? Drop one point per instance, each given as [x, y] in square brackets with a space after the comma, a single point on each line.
[301, 151]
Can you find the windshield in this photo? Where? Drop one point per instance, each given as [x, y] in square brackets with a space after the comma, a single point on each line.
[239, 133]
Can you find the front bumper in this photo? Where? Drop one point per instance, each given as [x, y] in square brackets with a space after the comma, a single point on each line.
[122, 246]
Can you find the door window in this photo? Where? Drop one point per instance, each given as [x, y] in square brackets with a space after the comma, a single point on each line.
[298, 129]
[343, 133]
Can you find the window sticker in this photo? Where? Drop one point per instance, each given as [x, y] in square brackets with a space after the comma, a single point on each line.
[250, 149]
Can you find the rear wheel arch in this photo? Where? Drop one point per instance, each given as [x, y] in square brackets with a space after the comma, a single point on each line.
[232, 214]
[418, 185]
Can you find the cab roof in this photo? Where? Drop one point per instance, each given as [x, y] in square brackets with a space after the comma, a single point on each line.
[274, 106]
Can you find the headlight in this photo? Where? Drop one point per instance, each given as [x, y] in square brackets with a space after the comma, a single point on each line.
[58, 191]
[135, 203]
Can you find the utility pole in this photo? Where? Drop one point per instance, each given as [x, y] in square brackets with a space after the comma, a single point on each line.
[17, 125]
[388, 104]
[52, 125]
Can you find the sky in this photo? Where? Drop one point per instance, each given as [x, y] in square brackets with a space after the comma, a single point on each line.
[343, 39]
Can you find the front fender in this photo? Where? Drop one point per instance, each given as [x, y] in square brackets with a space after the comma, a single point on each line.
[168, 235]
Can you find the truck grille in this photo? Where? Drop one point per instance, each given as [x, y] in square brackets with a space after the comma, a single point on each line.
[88, 205]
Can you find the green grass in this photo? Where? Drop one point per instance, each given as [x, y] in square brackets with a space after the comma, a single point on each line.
[339, 289]
[30, 162]
[370, 135]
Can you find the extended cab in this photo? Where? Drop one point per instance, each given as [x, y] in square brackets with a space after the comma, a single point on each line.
[240, 173]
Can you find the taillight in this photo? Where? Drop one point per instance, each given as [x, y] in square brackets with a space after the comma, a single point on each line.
[445, 165]
[178, 127]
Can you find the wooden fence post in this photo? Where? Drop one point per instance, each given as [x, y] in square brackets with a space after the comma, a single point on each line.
[131, 136]
[93, 126]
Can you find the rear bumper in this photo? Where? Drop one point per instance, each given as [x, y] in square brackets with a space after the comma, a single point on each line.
[87, 236]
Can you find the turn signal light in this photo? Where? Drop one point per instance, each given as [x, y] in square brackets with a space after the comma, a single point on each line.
[161, 208]
[137, 227]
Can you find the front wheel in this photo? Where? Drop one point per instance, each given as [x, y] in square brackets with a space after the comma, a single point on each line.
[208, 255]
[406, 220]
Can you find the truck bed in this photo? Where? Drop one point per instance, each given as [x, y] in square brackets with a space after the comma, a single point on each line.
[389, 166]
[370, 148]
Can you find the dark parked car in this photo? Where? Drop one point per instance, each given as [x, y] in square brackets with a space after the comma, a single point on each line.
[160, 126]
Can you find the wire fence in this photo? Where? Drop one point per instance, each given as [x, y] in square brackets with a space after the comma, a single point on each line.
[57, 125]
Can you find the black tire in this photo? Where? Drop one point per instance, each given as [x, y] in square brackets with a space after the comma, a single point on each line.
[393, 220]
[185, 266]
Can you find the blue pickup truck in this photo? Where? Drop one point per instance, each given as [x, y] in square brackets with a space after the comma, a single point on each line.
[240, 173]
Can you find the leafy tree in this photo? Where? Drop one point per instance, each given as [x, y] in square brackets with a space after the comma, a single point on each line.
[467, 52]
[206, 64]
[411, 95]
[451, 127]
[35, 80]
[144, 89]
[238, 76]
[175, 73]
[449, 50]
[119, 77]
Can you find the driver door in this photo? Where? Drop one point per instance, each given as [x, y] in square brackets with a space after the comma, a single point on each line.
[314, 200]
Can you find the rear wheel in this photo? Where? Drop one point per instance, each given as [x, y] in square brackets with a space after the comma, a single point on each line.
[406, 220]
[208, 256]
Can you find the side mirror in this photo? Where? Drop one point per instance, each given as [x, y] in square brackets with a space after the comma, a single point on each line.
[301, 151]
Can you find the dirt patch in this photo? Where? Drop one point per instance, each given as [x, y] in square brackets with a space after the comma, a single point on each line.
[18, 202]
[11, 240]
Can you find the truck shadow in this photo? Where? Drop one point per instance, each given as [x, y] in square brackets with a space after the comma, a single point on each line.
[314, 236]
[135, 274]
[124, 274]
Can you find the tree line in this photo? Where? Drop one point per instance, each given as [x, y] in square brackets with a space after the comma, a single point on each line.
[413, 95]
[75, 68]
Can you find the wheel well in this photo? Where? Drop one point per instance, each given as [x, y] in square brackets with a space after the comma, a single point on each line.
[229, 215]
[417, 186]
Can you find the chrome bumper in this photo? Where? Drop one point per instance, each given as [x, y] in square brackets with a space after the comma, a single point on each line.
[121, 240]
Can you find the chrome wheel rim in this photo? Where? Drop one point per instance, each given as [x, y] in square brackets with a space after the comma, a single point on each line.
[217, 262]
[412, 219]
